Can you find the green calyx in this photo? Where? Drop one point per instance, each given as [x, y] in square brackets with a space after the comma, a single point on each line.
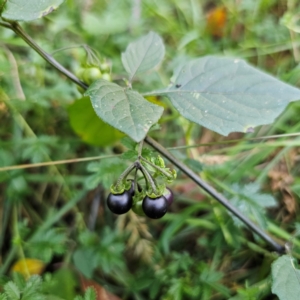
[117, 189]
[159, 191]
[127, 184]
[120, 187]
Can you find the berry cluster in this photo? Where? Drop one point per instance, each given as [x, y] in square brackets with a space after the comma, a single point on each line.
[89, 74]
[93, 68]
[153, 200]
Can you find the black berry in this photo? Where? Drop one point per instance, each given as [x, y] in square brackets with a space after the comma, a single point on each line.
[132, 187]
[155, 208]
[168, 194]
[119, 203]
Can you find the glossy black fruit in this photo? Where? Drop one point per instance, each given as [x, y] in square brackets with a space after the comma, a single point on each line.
[119, 203]
[132, 188]
[155, 208]
[168, 194]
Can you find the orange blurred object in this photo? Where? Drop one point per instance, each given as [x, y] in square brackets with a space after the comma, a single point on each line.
[28, 267]
[216, 21]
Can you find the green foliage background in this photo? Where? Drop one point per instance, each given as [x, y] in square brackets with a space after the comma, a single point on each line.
[57, 213]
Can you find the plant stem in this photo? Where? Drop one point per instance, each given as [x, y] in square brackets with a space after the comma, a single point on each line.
[135, 182]
[193, 176]
[140, 149]
[21, 33]
[149, 179]
[124, 175]
[211, 191]
[18, 241]
[157, 168]
[6, 25]
[8, 260]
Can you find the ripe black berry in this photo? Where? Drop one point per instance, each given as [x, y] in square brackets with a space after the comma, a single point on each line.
[119, 203]
[155, 208]
[168, 194]
[132, 187]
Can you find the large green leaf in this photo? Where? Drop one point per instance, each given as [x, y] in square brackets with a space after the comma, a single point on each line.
[28, 10]
[123, 109]
[227, 95]
[89, 127]
[285, 279]
[143, 54]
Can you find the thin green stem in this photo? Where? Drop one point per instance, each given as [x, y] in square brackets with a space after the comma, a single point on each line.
[18, 241]
[149, 179]
[124, 175]
[56, 162]
[157, 168]
[6, 25]
[135, 182]
[140, 149]
[22, 34]
[8, 260]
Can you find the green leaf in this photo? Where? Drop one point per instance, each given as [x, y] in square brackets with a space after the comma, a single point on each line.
[106, 172]
[85, 261]
[250, 293]
[46, 244]
[36, 152]
[123, 109]
[63, 284]
[90, 294]
[51, 297]
[12, 291]
[3, 296]
[252, 203]
[129, 154]
[89, 127]
[33, 289]
[176, 289]
[18, 278]
[20, 10]
[128, 143]
[110, 258]
[143, 55]
[211, 278]
[285, 278]
[227, 95]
